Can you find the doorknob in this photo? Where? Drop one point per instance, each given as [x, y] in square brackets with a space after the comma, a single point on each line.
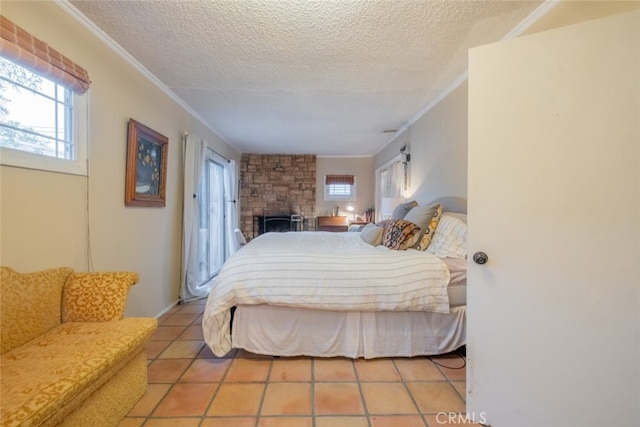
[480, 258]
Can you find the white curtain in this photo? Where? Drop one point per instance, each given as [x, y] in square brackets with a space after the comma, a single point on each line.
[389, 184]
[231, 208]
[194, 155]
[392, 180]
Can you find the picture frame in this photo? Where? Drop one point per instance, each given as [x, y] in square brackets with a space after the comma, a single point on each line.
[146, 175]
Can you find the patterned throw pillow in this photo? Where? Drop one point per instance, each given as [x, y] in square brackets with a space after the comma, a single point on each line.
[425, 239]
[425, 217]
[96, 296]
[30, 304]
[400, 234]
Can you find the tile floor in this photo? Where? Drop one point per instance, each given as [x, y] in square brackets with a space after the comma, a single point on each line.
[189, 386]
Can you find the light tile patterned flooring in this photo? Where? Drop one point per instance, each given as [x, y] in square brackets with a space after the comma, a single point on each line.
[190, 387]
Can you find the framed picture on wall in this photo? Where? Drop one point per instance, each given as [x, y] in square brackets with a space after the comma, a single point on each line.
[145, 183]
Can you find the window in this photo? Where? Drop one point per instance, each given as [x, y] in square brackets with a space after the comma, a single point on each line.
[36, 114]
[43, 114]
[389, 184]
[339, 187]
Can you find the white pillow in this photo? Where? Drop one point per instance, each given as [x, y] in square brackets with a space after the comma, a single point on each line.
[372, 234]
[462, 216]
[450, 238]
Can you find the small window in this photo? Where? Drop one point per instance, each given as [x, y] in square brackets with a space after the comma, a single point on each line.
[38, 121]
[339, 187]
[36, 113]
[43, 115]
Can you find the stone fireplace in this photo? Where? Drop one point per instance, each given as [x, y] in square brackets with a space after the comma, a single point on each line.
[278, 186]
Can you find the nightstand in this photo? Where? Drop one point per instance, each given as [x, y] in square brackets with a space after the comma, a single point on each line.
[332, 223]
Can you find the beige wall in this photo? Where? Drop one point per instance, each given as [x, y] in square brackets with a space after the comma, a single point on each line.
[44, 215]
[360, 167]
[574, 11]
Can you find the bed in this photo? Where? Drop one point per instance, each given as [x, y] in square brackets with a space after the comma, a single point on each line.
[329, 294]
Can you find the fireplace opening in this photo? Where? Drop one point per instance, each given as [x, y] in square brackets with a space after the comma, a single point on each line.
[278, 223]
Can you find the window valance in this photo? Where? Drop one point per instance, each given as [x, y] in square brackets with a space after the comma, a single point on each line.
[339, 179]
[18, 45]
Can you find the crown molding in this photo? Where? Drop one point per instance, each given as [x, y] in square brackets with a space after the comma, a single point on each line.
[114, 46]
[534, 16]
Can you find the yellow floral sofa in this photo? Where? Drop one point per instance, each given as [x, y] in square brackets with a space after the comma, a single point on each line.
[68, 357]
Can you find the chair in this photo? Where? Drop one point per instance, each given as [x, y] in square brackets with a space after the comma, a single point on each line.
[239, 238]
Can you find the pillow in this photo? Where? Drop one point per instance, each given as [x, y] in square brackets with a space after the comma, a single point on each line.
[425, 217]
[372, 234]
[403, 209]
[384, 223]
[450, 238]
[400, 234]
[30, 304]
[96, 296]
[356, 227]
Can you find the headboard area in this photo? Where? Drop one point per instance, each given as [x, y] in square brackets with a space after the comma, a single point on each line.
[451, 204]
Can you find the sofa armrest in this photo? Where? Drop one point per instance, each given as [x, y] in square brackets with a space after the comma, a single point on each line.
[96, 297]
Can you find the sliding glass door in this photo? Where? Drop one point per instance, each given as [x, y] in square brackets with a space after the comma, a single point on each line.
[212, 218]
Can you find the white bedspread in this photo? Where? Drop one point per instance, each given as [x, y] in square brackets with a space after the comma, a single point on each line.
[323, 271]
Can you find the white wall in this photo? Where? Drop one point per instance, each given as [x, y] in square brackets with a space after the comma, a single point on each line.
[44, 215]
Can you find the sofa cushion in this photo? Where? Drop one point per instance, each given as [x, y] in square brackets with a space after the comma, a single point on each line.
[30, 304]
[63, 367]
[96, 297]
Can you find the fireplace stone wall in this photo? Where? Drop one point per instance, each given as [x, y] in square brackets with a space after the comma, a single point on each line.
[273, 184]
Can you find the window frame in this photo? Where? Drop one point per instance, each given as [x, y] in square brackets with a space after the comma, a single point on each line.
[398, 191]
[350, 197]
[77, 166]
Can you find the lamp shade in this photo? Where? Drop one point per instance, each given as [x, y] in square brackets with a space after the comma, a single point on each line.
[389, 204]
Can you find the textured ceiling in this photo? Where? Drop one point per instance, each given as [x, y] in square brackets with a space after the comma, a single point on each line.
[322, 77]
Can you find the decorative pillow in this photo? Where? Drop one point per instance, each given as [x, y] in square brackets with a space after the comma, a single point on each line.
[96, 297]
[403, 209]
[450, 238]
[30, 304]
[372, 234]
[400, 234]
[426, 217]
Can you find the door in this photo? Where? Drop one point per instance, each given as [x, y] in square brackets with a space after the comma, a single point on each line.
[212, 218]
[554, 200]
